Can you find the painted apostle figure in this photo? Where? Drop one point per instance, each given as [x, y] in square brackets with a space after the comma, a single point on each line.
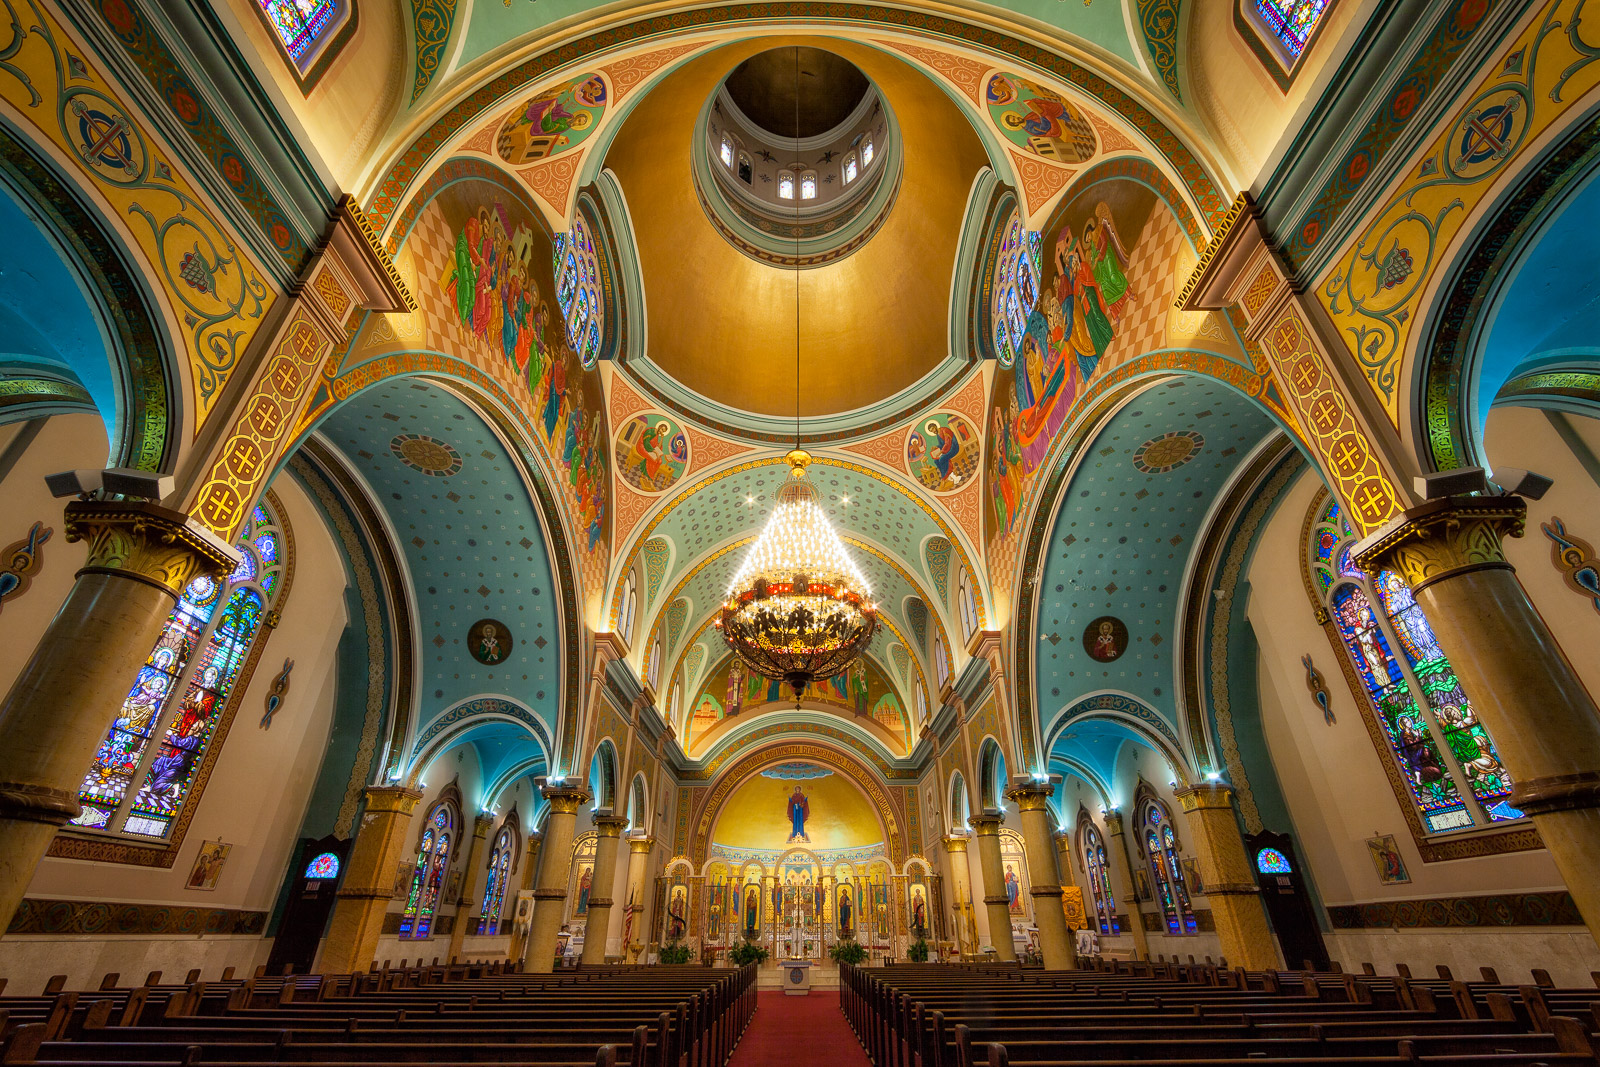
[799, 812]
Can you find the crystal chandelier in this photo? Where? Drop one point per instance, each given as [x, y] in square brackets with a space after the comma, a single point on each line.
[798, 609]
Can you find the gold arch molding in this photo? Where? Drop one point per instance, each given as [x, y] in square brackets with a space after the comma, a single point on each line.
[840, 762]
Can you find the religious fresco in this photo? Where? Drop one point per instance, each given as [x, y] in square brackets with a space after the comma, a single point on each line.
[652, 451]
[482, 265]
[558, 119]
[730, 690]
[1039, 119]
[943, 451]
[768, 814]
[1104, 298]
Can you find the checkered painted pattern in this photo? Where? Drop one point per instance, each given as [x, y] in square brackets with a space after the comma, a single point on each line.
[1144, 318]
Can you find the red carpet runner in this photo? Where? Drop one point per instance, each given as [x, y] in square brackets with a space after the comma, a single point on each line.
[802, 1031]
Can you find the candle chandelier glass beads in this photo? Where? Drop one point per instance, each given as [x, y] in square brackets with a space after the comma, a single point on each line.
[798, 609]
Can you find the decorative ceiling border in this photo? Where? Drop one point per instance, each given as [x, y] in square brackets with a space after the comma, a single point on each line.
[390, 188]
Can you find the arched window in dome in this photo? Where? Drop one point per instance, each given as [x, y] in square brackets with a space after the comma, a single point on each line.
[501, 859]
[808, 185]
[432, 865]
[746, 169]
[849, 168]
[1289, 22]
[1159, 841]
[1098, 864]
[628, 608]
[785, 185]
[866, 149]
[727, 151]
[968, 605]
[1452, 772]
[578, 294]
[144, 771]
[1014, 288]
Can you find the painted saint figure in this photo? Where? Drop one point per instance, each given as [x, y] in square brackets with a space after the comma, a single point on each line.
[919, 912]
[799, 812]
[735, 688]
[846, 910]
[858, 686]
[1013, 891]
[676, 920]
[752, 912]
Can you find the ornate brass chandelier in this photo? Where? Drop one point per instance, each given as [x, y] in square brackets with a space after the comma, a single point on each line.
[798, 609]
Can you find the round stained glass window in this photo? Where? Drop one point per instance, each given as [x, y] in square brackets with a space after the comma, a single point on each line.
[1271, 861]
[324, 866]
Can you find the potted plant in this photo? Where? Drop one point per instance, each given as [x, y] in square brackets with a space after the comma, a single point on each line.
[748, 952]
[850, 952]
[675, 953]
[918, 952]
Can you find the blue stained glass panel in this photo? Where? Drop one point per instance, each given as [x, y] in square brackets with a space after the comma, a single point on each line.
[1271, 861]
[1291, 21]
[324, 866]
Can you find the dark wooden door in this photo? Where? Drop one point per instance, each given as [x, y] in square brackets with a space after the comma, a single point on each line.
[1283, 891]
[318, 870]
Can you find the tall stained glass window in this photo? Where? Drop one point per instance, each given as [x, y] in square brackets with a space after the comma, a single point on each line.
[1014, 289]
[578, 291]
[146, 764]
[808, 186]
[427, 878]
[300, 23]
[1452, 772]
[1096, 862]
[785, 185]
[1160, 845]
[494, 893]
[1290, 21]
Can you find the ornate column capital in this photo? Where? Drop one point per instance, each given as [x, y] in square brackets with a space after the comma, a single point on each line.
[1203, 795]
[146, 543]
[1113, 819]
[481, 824]
[954, 843]
[987, 824]
[1443, 538]
[396, 798]
[1030, 795]
[564, 799]
[610, 825]
[640, 846]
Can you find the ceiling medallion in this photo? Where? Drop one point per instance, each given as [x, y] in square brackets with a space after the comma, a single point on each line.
[798, 609]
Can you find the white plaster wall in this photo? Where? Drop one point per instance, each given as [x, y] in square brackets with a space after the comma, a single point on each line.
[65, 442]
[255, 799]
[1337, 792]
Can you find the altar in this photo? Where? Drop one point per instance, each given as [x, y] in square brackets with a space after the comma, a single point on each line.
[796, 977]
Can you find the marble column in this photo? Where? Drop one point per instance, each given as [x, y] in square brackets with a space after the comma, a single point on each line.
[471, 884]
[596, 929]
[1230, 884]
[1044, 882]
[1545, 725]
[986, 833]
[966, 931]
[369, 880]
[550, 896]
[529, 871]
[634, 932]
[141, 557]
[1121, 875]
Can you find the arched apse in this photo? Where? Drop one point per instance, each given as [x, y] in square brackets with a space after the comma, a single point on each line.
[1123, 519]
[80, 331]
[471, 530]
[504, 736]
[1522, 302]
[603, 775]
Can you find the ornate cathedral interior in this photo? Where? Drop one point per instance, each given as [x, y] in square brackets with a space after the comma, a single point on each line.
[527, 506]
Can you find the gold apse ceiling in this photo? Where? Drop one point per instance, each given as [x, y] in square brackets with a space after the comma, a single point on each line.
[723, 325]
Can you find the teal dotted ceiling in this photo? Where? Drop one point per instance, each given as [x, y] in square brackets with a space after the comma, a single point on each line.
[471, 538]
[1125, 532]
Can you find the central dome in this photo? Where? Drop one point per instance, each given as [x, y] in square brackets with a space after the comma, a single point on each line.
[797, 93]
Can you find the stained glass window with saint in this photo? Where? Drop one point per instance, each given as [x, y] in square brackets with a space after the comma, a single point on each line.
[300, 23]
[1291, 21]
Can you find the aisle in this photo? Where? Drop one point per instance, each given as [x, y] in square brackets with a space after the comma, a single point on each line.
[799, 1030]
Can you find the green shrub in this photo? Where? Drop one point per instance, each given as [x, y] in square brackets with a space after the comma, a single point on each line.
[850, 952]
[918, 952]
[675, 953]
[748, 952]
